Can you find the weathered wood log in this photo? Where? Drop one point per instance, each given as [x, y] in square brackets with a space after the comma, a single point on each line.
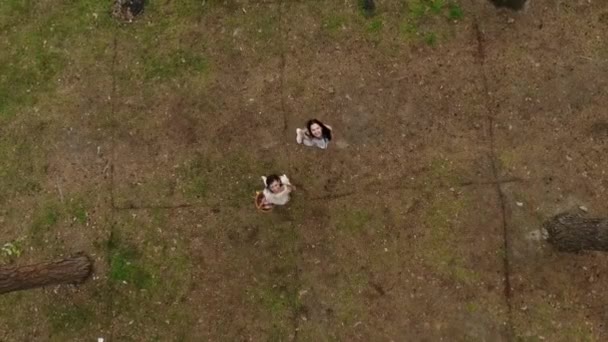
[573, 233]
[75, 269]
[512, 4]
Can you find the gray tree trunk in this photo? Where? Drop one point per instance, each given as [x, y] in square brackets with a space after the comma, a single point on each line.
[572, 233]
[75, 269]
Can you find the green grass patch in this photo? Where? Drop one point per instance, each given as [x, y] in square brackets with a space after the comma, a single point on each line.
[455, 12]
[423, 18]
[45, 218]
[22, 160]
[375, 26]
[417, 9]
[436, 6]
[37, 37]
[22, 78]
[408, 30]
[154, 262]
[126, 265]
[430, 39]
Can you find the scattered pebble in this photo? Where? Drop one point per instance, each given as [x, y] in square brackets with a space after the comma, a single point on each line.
[519, 204]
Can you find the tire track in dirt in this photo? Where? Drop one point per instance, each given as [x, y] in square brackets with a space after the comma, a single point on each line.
[480, 56]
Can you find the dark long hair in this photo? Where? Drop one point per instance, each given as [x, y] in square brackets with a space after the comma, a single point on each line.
[326, 132]
[271, 179]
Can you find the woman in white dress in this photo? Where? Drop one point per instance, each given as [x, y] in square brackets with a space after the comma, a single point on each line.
[276, 192]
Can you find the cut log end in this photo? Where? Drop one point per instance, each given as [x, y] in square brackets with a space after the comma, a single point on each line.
[573, 233]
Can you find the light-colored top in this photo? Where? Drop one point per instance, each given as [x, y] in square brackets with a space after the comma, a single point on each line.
[321, 143]
[280, 198]
[309, 140]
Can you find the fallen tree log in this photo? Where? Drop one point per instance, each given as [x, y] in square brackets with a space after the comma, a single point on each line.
[512, 4]
[573, 233]
[75, 269]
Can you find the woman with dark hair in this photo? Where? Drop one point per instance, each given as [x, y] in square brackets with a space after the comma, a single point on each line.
[276, 192]
[316, 134]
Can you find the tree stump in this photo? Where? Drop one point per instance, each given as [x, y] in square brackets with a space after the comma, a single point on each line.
[512, 4]
[573, 233]
[75, 269]
[127, 10]
[368, 7]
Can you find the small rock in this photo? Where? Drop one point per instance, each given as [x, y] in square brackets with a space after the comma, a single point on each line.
[519, 204]
[583, 208]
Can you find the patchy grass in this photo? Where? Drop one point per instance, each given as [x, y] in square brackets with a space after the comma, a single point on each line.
[353, 220]
[69, 318]
[77, 210]
[279, 301]
[256, 29]
[20, 166]
[230, 178]
[178, 269]
[375, 26]
[349, 305]
[539, 320]
[333, 24]
[424, 20]
[444, 172]
[440, 243]
[155, 264]
[45, 217]
[174, 64]
[194, 177]
[509, 159]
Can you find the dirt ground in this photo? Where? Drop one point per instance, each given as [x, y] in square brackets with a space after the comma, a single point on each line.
[459, 129]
